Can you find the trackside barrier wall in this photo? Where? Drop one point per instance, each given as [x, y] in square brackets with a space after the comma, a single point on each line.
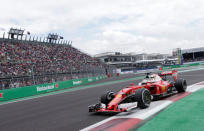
[15, 93]
[180, 66]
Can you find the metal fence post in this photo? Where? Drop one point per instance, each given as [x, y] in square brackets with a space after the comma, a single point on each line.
[33, 74]
[71, 71]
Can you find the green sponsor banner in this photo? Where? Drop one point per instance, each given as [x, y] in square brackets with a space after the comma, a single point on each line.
[179, 66]
[15, 93]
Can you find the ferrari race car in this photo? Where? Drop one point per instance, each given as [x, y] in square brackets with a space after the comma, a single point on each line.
[153, 87]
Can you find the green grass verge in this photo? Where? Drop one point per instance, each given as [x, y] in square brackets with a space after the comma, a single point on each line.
[186, 114]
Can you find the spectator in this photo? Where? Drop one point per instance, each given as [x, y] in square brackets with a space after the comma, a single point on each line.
[25, 59]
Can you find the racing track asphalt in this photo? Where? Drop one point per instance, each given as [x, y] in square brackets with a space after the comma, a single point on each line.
[67, 111]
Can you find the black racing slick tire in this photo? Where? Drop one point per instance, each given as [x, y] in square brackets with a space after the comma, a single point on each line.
[143, 97]
[106, 98]
[180, 85]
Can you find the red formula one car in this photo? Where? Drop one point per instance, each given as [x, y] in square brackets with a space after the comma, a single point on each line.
[153, 86]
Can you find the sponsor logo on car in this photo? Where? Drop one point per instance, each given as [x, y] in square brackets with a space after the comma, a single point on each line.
[118, 96]
[43, 88]
[163, 88]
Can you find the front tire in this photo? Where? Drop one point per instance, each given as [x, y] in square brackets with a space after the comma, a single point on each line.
[143, 97]
[106, 98]
[180, 85]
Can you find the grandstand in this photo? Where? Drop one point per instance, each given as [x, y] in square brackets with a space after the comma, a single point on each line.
[193, 54]
[26, 62]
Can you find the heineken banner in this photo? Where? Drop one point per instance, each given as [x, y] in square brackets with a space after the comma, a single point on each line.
[15, 93]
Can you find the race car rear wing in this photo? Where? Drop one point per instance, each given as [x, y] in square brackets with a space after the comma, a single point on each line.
[173, 73]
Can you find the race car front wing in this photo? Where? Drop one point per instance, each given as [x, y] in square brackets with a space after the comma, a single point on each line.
[121, 108]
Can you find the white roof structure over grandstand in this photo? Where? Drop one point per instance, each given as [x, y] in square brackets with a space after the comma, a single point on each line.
[192, 50]
[155, 60]
[120, 62]
[104, 54]
[110, 53]
[128, 54]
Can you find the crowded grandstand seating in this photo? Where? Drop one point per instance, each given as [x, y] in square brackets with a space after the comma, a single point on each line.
[42, 62]
[193, 60]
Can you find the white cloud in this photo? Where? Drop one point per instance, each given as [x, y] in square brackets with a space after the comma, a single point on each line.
[113, 25]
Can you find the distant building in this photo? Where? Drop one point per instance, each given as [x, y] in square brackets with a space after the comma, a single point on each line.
[132, 61]
[116, 58]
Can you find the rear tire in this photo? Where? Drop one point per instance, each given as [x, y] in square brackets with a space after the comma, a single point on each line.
[180, 85]
[106, 98]
[143, 97]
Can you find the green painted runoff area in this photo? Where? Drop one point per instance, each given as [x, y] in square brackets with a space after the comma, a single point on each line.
[186, 114]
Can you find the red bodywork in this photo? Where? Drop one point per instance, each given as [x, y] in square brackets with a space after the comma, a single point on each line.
[155, 88]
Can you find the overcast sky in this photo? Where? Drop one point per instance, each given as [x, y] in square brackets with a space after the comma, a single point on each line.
[140, 26]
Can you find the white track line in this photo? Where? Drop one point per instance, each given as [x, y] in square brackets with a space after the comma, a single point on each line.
[153, 111]
[140, 114]
[192, 88]
[98, 124]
